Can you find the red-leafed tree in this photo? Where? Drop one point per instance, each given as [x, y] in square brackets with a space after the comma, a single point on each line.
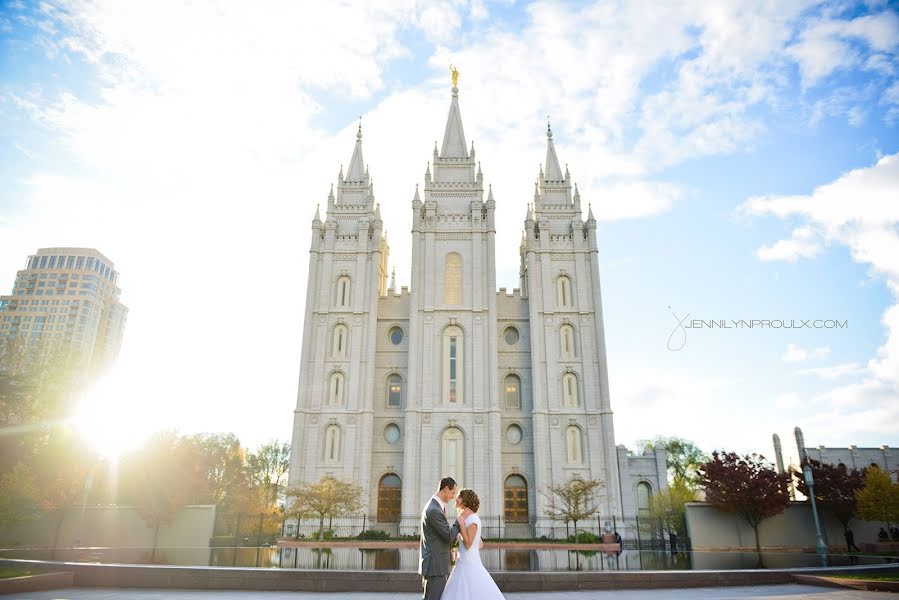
[747, 485]
[835, 488]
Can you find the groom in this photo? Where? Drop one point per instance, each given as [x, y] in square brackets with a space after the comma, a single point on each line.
[436, 538]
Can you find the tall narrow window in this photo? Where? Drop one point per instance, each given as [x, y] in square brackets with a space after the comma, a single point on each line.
[453, 365]
[573, 444]
[644, 498]
[339, 347]
[394, 391]
[343, 291]
[512, 386]
[452, 279]
[569, 389]
[336, 389]
[566, 335]
[452, 450]
[563, 291]
[332, 443]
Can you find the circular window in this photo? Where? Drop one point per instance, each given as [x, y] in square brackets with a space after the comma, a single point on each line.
[392, 433]
[396, 336]
[511, 335]
[514, 435]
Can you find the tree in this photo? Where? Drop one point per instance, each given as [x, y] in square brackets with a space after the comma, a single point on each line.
[835, 487]
[878, 500]
[670, 505]
[267, 468]
[746, 485]
[327, 499]
[62, 466]
[224, 468]
[573, 501]
[37, 386]
[18, 496]
[682, 458]
[162, 478]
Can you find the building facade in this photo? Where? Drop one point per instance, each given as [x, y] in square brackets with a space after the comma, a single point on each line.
[507, 392]
[65, 300]
[853, 457]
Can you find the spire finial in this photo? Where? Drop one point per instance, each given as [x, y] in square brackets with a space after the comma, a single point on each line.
[549, 130]
[359, 131]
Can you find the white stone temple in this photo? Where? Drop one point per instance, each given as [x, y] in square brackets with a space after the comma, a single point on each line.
[506, 392]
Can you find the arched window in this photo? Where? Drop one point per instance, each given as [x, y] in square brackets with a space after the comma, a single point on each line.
[452, 454]
[512, 387]
[339, 344]
[390, 491]
[573, 444]
[453, 365]
[394, 391]
[332, 443]
[515, 494]
[566, 338]
[343, 291]
[563, 291]
[569, 389]
[452, 279]
[644, 497]
[336, 389]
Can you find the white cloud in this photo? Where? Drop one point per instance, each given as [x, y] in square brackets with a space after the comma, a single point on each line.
[834, 371]
[796, 353]
[831, 44]
[801, 245]
[859, 211]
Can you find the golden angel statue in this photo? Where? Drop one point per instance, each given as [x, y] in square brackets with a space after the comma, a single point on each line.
[455, 74]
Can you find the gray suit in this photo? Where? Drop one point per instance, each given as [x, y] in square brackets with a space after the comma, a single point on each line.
[436, 538]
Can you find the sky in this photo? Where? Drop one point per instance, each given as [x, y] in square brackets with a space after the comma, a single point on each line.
[741, 158]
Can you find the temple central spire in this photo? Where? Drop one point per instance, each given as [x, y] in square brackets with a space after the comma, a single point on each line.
[454, 136]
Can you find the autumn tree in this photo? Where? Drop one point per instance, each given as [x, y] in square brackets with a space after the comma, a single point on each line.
[682, 458]
[878, 500]
[161, 478]
[224, 469]
[573, 501]
[37, 388]
[746, 485]
[670, 505]
[835, 487]
[327, 499]
[18, 496]
[267, 468]
[62, 465]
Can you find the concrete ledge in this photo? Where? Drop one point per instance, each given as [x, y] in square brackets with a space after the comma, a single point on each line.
[37, 583]
[231, 578]
[870, 585]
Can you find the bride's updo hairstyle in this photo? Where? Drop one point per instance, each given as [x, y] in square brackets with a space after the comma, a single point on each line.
[469, 499]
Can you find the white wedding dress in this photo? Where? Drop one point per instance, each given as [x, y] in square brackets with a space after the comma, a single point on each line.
[469, 579]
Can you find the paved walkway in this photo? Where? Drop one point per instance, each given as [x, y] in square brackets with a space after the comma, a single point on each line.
[791, 592]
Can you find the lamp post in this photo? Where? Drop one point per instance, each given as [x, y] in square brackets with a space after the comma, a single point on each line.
[820, 547]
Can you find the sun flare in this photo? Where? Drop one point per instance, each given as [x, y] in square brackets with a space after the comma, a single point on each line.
[107, 421]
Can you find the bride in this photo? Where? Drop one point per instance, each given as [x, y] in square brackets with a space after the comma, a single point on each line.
[469, 579]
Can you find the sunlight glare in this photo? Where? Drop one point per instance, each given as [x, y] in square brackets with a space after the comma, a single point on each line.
[106, 418]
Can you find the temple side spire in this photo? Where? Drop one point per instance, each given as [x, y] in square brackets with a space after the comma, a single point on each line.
[553, 170]
[357, 170]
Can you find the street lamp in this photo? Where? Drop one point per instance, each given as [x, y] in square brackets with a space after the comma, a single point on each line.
[820, 548]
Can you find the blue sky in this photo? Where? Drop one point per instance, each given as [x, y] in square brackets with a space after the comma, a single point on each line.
[741, 160]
